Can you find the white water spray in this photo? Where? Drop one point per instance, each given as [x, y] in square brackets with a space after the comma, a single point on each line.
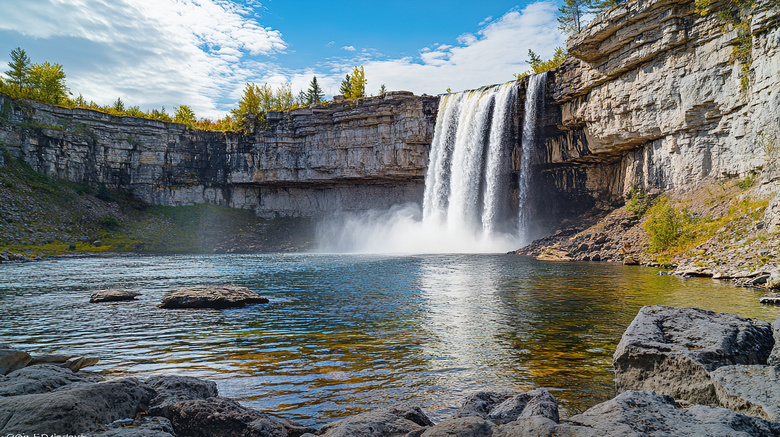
[466, 204]
[533, 93]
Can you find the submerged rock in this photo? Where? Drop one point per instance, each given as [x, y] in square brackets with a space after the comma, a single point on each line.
[220, 296]
[112, 296]
[382, 422]
[11, 360]
[673, 350]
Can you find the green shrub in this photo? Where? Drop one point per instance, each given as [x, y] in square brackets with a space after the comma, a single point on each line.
[667, 226]
[104, 193]
[108, 221]
[637, 202]
[744, 184]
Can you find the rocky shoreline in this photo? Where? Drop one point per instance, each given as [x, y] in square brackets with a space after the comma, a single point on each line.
[678, 371]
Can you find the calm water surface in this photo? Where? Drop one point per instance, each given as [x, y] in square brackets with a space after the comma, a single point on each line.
[345, 333]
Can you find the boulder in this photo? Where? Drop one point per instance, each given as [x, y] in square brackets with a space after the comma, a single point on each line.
[538, 402]
[774, 356]
[146, 427]
[49, 359]
[221, 417]
[382, 422]
[11, 360]
[77, 363]
[41, 378]
[770, 299]
[171, 389]
[672, 350]
[223, 296]
[112, 296]
[74, 409]
[752, 390]
[467, 426]
[481, 403]
[639, 413]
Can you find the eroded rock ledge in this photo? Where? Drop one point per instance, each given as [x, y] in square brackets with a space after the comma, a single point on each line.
[694, 355]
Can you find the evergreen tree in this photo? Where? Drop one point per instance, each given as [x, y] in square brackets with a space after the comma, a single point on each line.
[47, 83]
[314, 93]
[570, 20]
[19, 68]
[80, 102]
[346, 87]
[357, 84]
[382, 89]
[303, 98]
[119, 105]
[185, 115]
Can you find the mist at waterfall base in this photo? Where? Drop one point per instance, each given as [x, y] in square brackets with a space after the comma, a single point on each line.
[471, 203]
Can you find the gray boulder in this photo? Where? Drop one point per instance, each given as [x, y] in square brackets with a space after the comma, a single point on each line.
[77, 363]
[41, 378]
[222, 417]
[752, 390]
[112, 296]
[467, 426]
[222, 296]
[11, 360]
[382, 422]
[146, 427]
[643, 413]
[171, 389]
[672, 350]
[538, 402]
[74, 409]
[774, 356]
[481, 403]
[49, 359]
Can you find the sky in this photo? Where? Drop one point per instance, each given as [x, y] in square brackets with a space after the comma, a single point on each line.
[201, 53]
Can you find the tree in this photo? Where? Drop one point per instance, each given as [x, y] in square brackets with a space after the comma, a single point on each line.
[357, 84]
[119, 105]
[570, 20]
[185, 115]
[47, 83]
[382, 89]
[250, 111]
[346, 86]
[314, 94]
[19, 68]
[80, 102]
[283, 98]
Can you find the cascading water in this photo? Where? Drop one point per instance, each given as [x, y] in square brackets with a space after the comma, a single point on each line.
[532, 96]
[468, 197]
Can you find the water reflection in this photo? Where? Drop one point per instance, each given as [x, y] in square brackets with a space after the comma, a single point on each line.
[345, 333]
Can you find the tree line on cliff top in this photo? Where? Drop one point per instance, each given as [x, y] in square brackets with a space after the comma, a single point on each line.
[45, 82]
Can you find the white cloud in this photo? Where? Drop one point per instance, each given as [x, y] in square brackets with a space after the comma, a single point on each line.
[150, 51]
[348, 48]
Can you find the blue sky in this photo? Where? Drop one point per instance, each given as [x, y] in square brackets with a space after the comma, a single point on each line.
[201, 52]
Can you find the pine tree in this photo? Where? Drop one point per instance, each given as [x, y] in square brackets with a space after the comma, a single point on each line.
[20, 68]
[314, 94]
[570, 20]
[382, 89]
[119, 105]
[346, 87]
[357, 84]
[185, 115]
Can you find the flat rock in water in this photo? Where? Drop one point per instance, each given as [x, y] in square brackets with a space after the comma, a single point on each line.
[639, 413]
[11, 360]
[382, 422]
[112, 296]
[772, 299]
[672, 350]
[75, 409]
[77, 363]
[752, 390]
[49, 359]
[223, 296]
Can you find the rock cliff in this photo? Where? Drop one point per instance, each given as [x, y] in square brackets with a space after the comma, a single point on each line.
[349, 155]
[651, 96]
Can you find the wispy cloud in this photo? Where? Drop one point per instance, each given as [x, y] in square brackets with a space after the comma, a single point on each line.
[348, 48]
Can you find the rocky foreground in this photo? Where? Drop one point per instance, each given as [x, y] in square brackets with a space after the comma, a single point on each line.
[678, 371]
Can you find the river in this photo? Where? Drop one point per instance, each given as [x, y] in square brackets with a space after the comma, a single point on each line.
[346, 333]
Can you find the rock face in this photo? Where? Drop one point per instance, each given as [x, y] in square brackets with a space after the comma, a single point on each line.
[224, 296]
[673, 350]
[752, 390]
[351, 155]
[650, 96]
[112, 296]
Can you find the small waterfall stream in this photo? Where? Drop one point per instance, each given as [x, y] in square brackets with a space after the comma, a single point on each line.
[468, 201]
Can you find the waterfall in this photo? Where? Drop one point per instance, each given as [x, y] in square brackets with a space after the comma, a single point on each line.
[532, 96]
[468, 200]
[468, 179]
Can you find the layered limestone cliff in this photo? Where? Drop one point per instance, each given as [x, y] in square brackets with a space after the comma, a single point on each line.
[651, 96]
[352, 155]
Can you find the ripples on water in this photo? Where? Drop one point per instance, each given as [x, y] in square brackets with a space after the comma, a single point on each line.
[346, 333]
